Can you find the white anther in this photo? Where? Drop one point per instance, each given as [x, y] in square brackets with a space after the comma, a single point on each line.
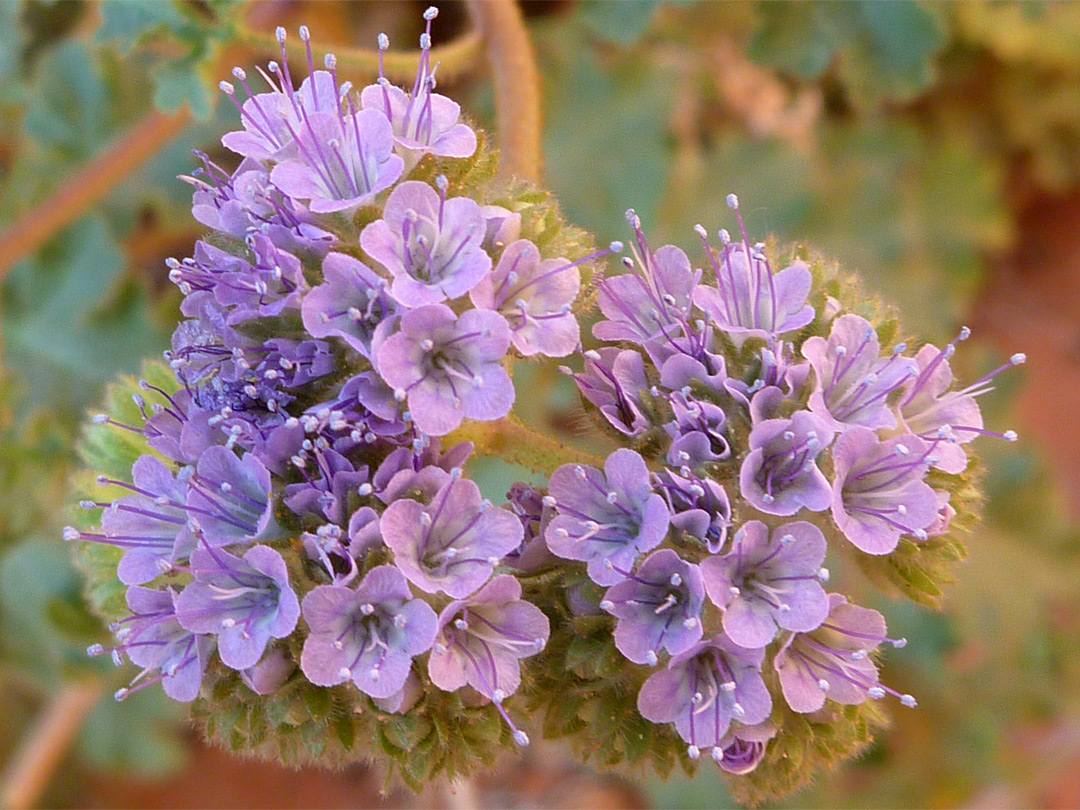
[733, 202]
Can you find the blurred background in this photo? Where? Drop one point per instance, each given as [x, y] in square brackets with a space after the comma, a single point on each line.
[932, 148]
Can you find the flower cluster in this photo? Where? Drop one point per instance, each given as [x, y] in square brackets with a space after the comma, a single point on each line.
[752, 418]
[294, 534]
[343, 315]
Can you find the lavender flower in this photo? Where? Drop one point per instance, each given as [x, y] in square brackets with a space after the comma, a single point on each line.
[699, 507]
[150, 525]
[425, 123]
[535, 515]
[853, 384]
[431, 245]
[613, 380]
[244, 602]
[653, 299]
[353, 304]
[453, 545]
[368, 636]
[503, 226]
[743, 747]
[605, 518]
[535, 297]
[879, 493]
[749, 300]
[704, 689]
[764, 585]
[482, 639]
[833, 661]
[448, 367]
[658, 608]
[230, 498]
[697, 431]
[154, 640]
[270, 674]
[779, 476]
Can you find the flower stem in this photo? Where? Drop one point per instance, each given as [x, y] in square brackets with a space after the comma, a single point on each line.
[517, 86]
[512, 441]
[29, 771]
[79, 193]
[454, 59]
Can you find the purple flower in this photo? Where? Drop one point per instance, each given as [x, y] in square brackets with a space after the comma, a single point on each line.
[150, 525]
[928, 406]
[425, 123]
[605, 518]
[481, 640]
[779, 476]
[697, 431]
[154, 640]
[274, 283]
[699, 507]
[764, 585]
[229, 498]
[743, 747]
[453, 545]
[834, 660]
[535, 297]
[749, 300]
[613, 380]
[652, 299]
[704, 689]
[353, 305]
[271, 120]
[368, 636]
[879, 493]
[244, 602]
[535, 515]
[331, 485]
[502, 227]
[658, 608]
[431, 245]
[343, 161]
[404, 698]
[448, 367]
[853, 383]
[270, 674]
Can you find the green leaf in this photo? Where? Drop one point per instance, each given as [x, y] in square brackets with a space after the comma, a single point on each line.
[137, 737]
[622, 22]
[131, 21]
[180, 83]
[800, 38]
[71, 323]
[70, 109]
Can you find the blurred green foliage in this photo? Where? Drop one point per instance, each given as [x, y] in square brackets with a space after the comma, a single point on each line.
[901, 138]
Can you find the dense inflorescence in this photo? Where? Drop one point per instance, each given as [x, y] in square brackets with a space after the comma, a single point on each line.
[281, 536]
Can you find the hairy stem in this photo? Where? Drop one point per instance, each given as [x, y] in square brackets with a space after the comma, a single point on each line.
[456, 58]
[517, 86]
[29, 771]
[512, 441]
[79, 193]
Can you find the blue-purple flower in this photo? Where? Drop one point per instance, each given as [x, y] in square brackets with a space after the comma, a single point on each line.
[453, 544]
[879, 493]
[780, 475]
[368, 636]
[658, 607]
[149, 525]
[606, 518]
[431, 245]
[769, 584]
[833, 661]
[448, 368]
[699, 507]
[424, 122]
[613, 380]
[704, 689]
[154, 640]
[743, 747]
[854, 384]
[482, 639]
[244, 602]
[352, 304]
[229, 498]
[535, 296]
